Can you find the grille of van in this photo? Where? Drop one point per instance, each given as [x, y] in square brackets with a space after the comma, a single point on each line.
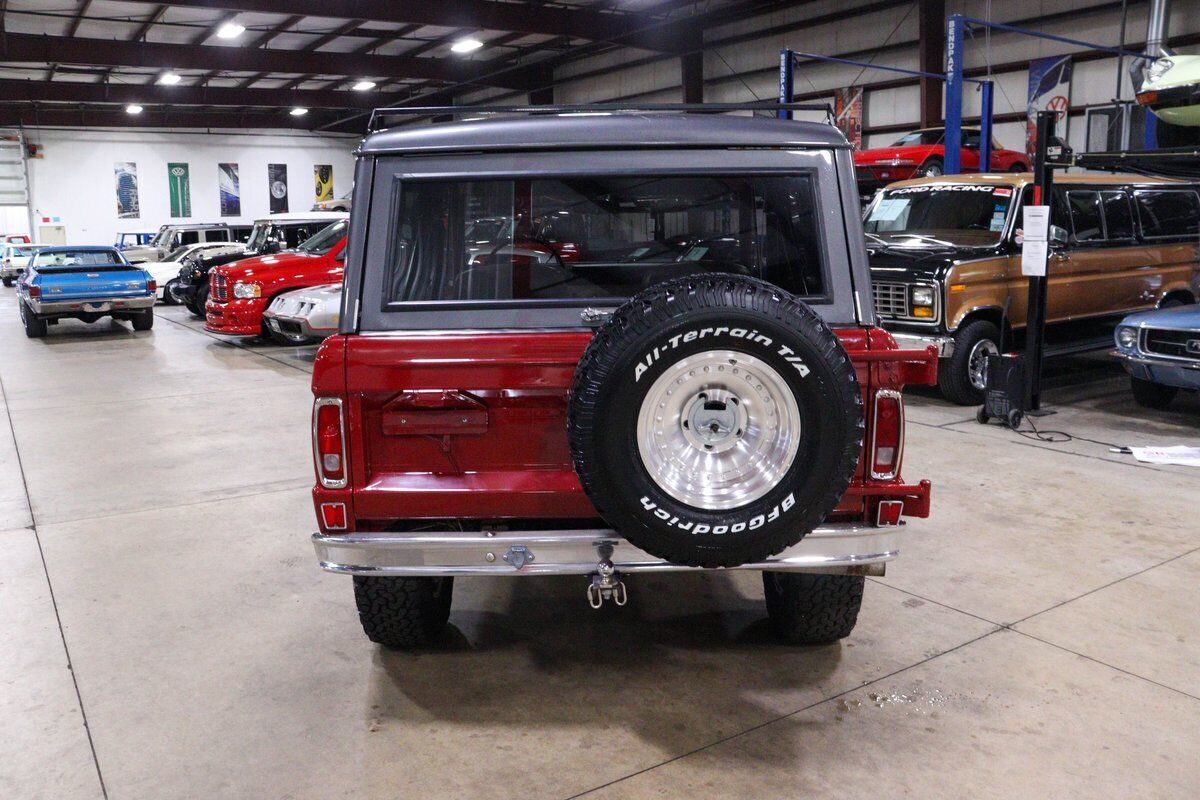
[1172, 343]
[220, 288]
[891, 299]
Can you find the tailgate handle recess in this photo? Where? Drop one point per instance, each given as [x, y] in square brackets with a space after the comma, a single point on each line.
[434, 412]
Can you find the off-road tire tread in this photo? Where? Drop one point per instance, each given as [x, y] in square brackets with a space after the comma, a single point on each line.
[811, 608]
[402, 612]
[650, 310]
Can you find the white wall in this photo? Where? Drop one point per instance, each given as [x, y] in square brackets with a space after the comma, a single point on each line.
[74, 178]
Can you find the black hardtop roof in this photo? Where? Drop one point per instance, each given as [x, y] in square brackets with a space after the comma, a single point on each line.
[605, 132]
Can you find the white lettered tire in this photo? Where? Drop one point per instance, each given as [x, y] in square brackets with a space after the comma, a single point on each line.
[715, 420]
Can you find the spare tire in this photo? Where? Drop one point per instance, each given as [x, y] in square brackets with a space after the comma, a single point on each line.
[715, 420]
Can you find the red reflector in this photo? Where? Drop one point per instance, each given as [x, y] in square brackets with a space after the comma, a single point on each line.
[333, 515]
[328, 443]
[887, 437]
[889, 512]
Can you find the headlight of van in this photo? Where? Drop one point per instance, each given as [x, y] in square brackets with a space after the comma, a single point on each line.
[1126, 337]
[922, 299]
[246, 291]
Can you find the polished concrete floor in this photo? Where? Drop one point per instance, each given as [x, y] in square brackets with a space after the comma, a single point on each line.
[165, 632]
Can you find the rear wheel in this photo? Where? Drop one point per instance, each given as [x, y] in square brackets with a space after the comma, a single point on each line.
[1150, 394]
[963, 377]
[8, 281]
[403, 612]
[199, 301]
[168, 298]
[933, 168]
[1018, 167]
[143, 320]
[35, 326]
[810, 608]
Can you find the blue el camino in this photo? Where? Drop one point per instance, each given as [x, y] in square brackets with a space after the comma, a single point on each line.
[1161, 351]
[84, 283]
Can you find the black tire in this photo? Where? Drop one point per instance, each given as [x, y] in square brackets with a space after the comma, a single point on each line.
[1018, 167]
[168, 298]
[1150, 394]
[931, 168]
[403, 612]
[982, 416]
[761, 325]
[1014, 419]
[7, 282]
[143, 320]
[809, 608]
[35, 326]
[1173, 302]
[955, 374]
[199, 301]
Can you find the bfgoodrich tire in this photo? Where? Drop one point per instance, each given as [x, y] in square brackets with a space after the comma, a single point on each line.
[715, 420]
[403, 612]
[806, 608]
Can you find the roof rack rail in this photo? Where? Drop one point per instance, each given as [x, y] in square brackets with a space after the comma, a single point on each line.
[379, 114]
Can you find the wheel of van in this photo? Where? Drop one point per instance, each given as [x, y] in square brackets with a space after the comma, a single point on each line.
[715, 420]
[143, 320]
[1152, 395]
[932, 168]
[810, 608]
[403, 612]
[35, 326]
[963, 376]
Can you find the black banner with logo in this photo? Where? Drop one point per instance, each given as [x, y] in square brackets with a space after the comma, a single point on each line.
[277, 181]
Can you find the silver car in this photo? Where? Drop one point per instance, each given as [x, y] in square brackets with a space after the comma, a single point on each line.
[304, 315]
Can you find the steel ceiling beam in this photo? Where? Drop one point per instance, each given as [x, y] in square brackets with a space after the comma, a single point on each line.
[20, 47]
[483, 14]
[98, 118]
[18, 91]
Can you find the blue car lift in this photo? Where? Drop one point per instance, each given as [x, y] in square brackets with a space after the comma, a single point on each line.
[956, 43]
[787, 71]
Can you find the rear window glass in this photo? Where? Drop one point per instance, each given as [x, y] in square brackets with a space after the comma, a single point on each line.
[77, 258]
[1168, 213]
[598, 237]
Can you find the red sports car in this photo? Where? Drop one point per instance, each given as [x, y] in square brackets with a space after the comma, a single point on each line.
[922, 154]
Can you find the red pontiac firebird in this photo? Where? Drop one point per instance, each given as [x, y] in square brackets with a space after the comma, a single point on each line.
[922, 154]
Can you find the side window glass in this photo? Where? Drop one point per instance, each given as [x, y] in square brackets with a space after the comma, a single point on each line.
[217, 235]
[1085, 216]
[1118, 217]
[188, 237]
[1168, 213]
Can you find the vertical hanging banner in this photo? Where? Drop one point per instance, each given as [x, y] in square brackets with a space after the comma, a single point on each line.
[181, 190]
[230, 190]
[1049, 90]
[323, 175]
[848, 114]
[127, 190]
[277, 181]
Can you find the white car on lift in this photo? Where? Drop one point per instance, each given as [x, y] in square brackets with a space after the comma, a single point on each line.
[166, 271]
[303, 316]
[1172, 89]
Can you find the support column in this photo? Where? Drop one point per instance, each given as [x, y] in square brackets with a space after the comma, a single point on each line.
[931, 48]
[691, 69]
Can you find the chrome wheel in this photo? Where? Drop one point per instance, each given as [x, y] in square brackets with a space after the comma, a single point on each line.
[718, 429]
[977, 362]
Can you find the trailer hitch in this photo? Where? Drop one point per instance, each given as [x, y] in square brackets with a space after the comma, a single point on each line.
[606, 581]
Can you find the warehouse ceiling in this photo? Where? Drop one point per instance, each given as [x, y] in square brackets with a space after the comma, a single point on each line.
[258, 63]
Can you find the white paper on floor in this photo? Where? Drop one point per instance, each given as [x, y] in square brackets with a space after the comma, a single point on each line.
[1179, 454]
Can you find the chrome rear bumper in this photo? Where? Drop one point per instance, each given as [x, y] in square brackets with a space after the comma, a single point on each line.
[840, 548]
[98, 306]
[919, 341]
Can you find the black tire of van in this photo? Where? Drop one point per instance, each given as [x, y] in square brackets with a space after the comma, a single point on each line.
[810, 608]
[756, 348]
[954, 373]
[403, 612]
[35, 327]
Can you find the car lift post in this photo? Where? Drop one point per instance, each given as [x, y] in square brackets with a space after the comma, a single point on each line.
[1035, 318]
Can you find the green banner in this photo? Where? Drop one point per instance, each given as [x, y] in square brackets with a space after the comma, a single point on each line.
[181, 190]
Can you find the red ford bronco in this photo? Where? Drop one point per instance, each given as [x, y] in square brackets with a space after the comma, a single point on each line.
[701, 384]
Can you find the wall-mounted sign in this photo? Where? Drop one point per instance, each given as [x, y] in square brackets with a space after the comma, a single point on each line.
[848, 113]
[1049, 90]
[180, 182]
[323, 174]
[125, 173]
[277, 182]
[230, 189]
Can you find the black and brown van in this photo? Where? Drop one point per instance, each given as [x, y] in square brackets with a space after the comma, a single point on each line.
[945, 257]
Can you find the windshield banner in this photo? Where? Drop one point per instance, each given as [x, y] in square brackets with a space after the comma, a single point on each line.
[1049, 90]
[230, 189]
[181, 190]
[277, 180]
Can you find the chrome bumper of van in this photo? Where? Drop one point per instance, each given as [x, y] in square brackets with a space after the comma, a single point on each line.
[918, 341]
[837, 548]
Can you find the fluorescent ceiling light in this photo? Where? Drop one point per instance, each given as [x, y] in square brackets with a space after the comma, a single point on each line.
[169, 79]
[230, 30]
[467, 45]
[298, 112]
[363, 86]
[133, 108]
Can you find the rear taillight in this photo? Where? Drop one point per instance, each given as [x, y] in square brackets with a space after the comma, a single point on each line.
[34, 290]
[329, 442]
[887, 434]
[151, 285]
